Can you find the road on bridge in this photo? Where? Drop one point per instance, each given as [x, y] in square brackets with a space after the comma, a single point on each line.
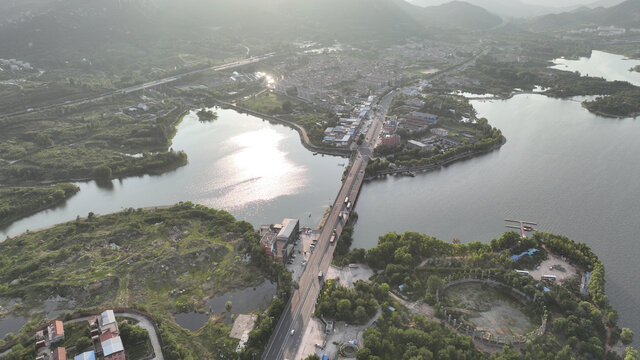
[299, 310]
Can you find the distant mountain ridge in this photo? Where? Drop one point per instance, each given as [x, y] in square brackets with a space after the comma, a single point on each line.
[625, 14]
[459, 15]
[518, 8]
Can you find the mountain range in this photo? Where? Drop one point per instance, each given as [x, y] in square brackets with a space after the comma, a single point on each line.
[58, 29]
[518, 8]
[625, 14]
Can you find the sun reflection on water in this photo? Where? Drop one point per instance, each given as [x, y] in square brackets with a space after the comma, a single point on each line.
[256, 170]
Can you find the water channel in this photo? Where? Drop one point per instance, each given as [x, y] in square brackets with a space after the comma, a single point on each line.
[572, 172]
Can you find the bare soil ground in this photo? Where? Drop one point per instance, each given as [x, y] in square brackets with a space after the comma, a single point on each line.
[558, 266]
[490, 309]
[348, 276]
[243, 324]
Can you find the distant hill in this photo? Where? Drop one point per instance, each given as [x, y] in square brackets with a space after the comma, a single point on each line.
[453, 15]
[626, 14]
[604, 3]
[504, 8]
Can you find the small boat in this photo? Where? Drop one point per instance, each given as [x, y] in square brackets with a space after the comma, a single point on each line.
[412, 174]
[527, 228]
[315, 153]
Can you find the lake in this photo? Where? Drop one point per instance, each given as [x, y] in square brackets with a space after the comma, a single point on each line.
[570, 171]
[601, 64]
[258, 171]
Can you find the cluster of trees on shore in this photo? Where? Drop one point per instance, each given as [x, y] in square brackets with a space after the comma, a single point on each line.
[491, 137]
[352, 305]
[624, 103]
[17, 202]
[582, 325]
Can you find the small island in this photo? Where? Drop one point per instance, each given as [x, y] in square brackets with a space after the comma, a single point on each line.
[635, 68]
[205, 114]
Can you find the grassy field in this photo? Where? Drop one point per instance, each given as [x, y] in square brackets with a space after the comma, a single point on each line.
[17, 202]
[163, 261]
[312, 120]
[87, 141]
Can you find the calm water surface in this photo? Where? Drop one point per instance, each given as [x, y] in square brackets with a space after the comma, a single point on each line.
[570, 171]
[257, 171]
[601, 64]
[243, 301]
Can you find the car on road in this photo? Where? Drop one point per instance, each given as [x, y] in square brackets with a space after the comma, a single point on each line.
[293, 331]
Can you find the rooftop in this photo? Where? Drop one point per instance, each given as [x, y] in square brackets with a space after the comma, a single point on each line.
[89, 355]
[112, 346]
[288, 227]
[108, 317]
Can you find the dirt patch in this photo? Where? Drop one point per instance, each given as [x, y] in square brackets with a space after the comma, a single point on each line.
[489, 309]
[347, 276]
[556, 266]
[417, 307]
[243, 325]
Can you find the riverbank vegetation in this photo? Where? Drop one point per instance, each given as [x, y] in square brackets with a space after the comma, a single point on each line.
[162, 261]
[18, 202]
[313, 120]
[462, 140]
[124, 135]
[352, 305]
[580, 324]
[621, 104]
[495, 75]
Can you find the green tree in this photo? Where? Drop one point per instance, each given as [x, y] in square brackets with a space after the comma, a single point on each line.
[631, 354]
[312, 357]
[287, 107]
[626, 336]
[363, 354]
[434, 283]
[344, 310]
[102, 172]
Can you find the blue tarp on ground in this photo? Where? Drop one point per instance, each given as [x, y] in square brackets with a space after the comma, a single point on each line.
[528, 252]
[587, 276]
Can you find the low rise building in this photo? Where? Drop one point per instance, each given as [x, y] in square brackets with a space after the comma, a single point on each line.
[59, 353]
[89, 355]
[112, 349]
[391, 140]
[413, 102]
[278, 240]
[56, 331]
[413, 144]
[419, 120]
[439, 132]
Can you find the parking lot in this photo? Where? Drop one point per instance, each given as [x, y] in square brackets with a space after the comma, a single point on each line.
[302, 251]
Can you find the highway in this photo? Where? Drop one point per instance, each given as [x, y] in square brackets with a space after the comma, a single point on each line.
[146, 85]
[299, 310]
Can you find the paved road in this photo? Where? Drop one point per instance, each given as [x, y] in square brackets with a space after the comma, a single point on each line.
[298, 311]
[146, 85]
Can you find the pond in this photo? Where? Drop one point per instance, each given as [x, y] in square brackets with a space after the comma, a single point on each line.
[243, 301]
